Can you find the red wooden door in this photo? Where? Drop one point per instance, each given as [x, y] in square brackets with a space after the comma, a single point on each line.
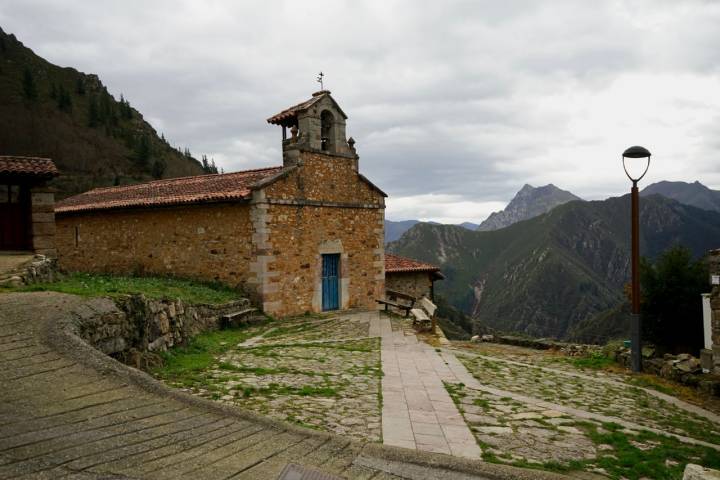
[14, 217]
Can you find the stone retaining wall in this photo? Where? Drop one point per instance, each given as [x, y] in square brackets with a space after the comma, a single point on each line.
[133, 326]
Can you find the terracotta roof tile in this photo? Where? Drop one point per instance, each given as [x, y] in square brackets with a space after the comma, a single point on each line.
[174, 191]
[27, 166]
[287, 114]
[396, 263]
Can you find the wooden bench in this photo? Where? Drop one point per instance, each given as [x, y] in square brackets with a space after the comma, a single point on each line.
[236, 318]
[392, 299]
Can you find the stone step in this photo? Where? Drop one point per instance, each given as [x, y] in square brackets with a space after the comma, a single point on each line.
[241, 317]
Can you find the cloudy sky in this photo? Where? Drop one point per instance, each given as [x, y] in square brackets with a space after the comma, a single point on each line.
[454, 104]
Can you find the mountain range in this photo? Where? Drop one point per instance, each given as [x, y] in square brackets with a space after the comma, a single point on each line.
[70, 117]
[695, 194]
[547, 275]
[529, 202]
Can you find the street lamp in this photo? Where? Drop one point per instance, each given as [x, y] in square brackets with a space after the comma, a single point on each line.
[636, 161]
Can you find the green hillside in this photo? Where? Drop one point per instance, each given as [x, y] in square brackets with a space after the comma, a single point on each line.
[549, 274]
[69, 116]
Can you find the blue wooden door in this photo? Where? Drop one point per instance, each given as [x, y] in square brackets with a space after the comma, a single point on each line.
[330, 283]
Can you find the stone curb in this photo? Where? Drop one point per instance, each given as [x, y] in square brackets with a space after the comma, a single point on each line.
[62, 336]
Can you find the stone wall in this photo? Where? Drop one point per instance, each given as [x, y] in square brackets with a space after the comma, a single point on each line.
[208, 241]
[321, 207]
[134, 325]
[416, 284]
[42, 211]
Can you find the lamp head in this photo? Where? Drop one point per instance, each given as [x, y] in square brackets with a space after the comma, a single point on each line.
[636, 161]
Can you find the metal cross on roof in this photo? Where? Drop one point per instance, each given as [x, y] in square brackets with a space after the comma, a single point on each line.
[320, 80]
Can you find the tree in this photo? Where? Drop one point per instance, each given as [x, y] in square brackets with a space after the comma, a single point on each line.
[158, 168]
[53, 91]
[670, 300]
[29, 87]
[125, 109]
[205, 164]
[142, 151]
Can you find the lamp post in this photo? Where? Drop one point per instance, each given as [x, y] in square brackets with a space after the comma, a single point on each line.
[636, 161]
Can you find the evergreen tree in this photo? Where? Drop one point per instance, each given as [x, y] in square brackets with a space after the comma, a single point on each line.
[670, 300]
[3, 47]
[213, 167]
[29, 87]
[53, 91]
[125, 109]
[158, 168]
[142, 151]
[205, 164]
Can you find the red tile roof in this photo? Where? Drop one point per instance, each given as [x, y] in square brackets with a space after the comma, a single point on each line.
[174, 191]
[287, 116]
[396, 263]
[27, 166]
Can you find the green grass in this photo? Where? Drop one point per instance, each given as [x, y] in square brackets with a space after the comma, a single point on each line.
[648, 382]
[200, 353]
[100, 285]
[596, 361]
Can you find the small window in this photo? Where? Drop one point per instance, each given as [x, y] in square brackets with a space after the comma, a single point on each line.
[77, 235]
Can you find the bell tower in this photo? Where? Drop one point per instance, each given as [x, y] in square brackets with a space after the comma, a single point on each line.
[316, 125]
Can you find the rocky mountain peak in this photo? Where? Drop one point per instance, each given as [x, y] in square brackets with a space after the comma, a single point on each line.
[529, 202]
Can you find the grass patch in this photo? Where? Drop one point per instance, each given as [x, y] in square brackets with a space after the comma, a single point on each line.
[100, 285]
[596, 361]
[200, 352]
[654, 383]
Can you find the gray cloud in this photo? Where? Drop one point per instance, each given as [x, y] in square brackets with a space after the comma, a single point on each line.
[454, 105]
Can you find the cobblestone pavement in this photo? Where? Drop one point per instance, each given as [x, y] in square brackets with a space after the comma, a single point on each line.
[323, 374]
[67, 411]
[521, 412]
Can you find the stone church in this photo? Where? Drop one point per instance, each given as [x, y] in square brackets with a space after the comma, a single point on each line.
[304, 236]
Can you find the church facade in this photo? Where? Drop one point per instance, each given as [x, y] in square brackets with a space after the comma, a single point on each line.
[306, 236]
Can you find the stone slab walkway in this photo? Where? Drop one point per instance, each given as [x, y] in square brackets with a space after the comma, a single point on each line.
[67, 411]
[418, 412]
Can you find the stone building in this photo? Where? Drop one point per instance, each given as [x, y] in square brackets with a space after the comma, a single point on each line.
[410, 276]
[304, 236]
[27, 221]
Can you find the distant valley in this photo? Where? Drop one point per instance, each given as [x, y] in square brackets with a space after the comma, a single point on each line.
[550, 274]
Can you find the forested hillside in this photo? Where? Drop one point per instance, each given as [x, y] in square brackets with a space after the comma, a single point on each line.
[69, 116]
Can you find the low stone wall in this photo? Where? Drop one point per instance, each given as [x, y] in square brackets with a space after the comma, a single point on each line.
[682, 368]
[40, 269]
[570, 349]
[134, 327]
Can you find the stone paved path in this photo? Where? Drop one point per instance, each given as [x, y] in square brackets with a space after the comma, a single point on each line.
[585, 412]
[417, 411]
[68, 412]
